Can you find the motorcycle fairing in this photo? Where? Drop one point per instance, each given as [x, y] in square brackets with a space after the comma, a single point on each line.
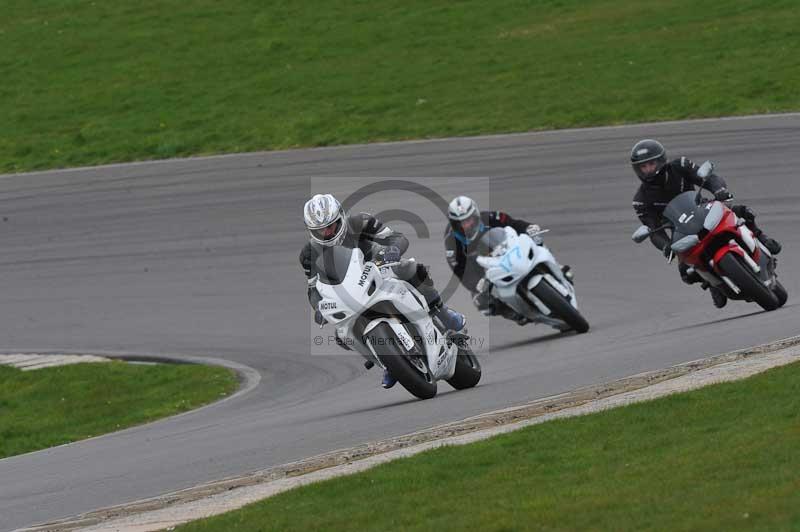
[363, 287]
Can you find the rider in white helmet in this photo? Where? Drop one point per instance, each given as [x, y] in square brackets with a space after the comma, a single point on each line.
[329, 225]
[467, 224]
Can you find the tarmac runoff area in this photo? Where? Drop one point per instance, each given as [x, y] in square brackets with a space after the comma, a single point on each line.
[32, 361]
[214, 498]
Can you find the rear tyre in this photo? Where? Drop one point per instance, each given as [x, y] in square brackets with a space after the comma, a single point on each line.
[780, 293]
[751, 286]
[395, 359]
[468, 370]
[559, 306]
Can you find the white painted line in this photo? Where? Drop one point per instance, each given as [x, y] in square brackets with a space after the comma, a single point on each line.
[29, 362]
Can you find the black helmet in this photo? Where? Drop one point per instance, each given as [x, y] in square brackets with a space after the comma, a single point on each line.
[645, 151]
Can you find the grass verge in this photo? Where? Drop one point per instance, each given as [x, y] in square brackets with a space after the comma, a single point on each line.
[88, 82]
[51, 406]
[724, 457]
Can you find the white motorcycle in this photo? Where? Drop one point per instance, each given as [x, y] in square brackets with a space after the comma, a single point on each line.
[526, 277]
[387, 321]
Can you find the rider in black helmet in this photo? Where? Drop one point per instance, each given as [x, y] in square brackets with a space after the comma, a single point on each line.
[662, 180]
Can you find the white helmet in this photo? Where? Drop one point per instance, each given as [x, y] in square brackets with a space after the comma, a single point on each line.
[325, 220]
[465, 218]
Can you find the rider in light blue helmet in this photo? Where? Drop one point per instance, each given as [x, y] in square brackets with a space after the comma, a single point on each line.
[467, 224]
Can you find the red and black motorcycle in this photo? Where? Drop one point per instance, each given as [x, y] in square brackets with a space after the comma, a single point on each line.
[715, 243]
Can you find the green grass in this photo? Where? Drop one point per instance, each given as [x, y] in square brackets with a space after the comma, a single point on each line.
[51, 406]
[86, 82]
[723, 458]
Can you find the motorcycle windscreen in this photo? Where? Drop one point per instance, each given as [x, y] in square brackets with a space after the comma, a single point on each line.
[332, 264]
[489, 241]
[686, 216]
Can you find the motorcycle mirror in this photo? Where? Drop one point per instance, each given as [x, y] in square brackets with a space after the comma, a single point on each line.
[705, 170]
[641, 234]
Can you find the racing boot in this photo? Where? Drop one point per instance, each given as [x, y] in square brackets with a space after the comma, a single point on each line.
[485, 303]
[720, 299]
[688, 274]
[452, 320]
[771, 244]
[388, 380]
[567, 271]
[749, 218]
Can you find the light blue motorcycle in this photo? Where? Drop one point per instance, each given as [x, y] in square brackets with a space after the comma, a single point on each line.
[526, 277]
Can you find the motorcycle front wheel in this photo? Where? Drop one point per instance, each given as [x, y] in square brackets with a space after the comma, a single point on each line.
[559, 306]
[780, 292]
[395, 359]
[743, 277]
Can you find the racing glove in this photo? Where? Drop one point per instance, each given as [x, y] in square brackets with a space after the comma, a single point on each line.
[388, 254]
[723, 194]
[533, 232]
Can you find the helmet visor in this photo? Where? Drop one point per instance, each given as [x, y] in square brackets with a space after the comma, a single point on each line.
[327, 233]
[470, 226]
[649, 169]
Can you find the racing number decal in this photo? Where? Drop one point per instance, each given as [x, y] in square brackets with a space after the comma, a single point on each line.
[505, 262]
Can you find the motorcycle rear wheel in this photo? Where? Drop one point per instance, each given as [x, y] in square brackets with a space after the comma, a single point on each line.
[468, 370]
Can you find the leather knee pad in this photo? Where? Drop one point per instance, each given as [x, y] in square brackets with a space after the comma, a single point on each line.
[744, 212]
[420, 280]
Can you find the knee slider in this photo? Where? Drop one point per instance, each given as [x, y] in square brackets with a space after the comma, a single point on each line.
[744, 212]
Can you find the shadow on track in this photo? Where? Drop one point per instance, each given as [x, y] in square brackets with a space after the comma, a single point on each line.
[530, 341]
[444, 392]
[713, 322]
[368, 409]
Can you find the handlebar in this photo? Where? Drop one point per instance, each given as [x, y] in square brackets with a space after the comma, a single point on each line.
[643, 232]
[380, 264]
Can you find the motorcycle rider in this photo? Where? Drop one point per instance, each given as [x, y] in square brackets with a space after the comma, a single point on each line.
[467, 223]
[329, 225]
[661, 181]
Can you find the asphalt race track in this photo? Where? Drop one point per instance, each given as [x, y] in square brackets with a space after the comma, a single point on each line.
[200, 258]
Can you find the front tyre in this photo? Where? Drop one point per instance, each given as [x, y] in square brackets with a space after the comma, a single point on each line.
[395, 359]
[559, 306]
[751, 286]
[468, 368]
